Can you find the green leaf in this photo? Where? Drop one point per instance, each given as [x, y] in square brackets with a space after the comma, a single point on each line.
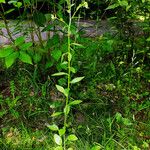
[56, 54]
[24, 57]
[25, 46]
[6, 51]
[59, 74]
[67, 109]
[126, 121]
[75, 80]
[148, 39]
[62, 131]
[76, 102]
[17, 4]
[10, 59]
[113, 6]
[118, 117]
[39, 18]
[58, 148]
[69, 56]
[53, 127]
[48, 28]
[57, 139]
[37, 57]
[56, 39]
[48, 64]
[9, 11]
[63, 65]
[48, 17]
[2, 1]
[123, 3]
[128, 7]
[66, 92]
[11, 1]
[62, 90]
[27, 1]
[72, 137]
[73, 70]
[56, 114]
[85, 4]
[19, 41]
[77, 44]
[96, 147]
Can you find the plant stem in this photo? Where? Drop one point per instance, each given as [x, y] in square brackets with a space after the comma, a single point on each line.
[6, 24]
[40, 37]
[69, 70]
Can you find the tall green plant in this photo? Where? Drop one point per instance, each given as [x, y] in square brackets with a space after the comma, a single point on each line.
[62, 139]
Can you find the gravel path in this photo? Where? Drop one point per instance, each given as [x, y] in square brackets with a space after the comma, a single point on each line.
[90, 28]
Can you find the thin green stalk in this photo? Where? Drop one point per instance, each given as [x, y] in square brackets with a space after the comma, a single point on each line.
[69, 71]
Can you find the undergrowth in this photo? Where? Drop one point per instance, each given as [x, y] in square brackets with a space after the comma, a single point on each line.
[75, 92]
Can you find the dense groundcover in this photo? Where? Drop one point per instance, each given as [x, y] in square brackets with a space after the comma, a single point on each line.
[75, 75]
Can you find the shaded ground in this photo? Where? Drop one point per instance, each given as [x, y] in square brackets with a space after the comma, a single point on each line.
[89, 28]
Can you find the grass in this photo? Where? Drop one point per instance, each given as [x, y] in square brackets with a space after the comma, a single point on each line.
[114, 114]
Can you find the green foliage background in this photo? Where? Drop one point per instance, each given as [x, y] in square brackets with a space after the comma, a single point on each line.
[114, 113]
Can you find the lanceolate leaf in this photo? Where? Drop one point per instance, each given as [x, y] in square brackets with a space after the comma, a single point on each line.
[56, 114]
[62, 90]
[79, 45]
[67, 109]
[66, 92]
[73, 70]
[75, 80]
[59, 74]
[72, 137]
[10, 59]
[56, 54]
[148, 39]
[24, 57]
[62, 131]
[57, 139]
[76, 102]
[53, 127]
[9, 11]
[123, 3]
[20, 40]
[26, 46]
[96, 147]
[113, 6]
[6, 51]
[58, 148]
